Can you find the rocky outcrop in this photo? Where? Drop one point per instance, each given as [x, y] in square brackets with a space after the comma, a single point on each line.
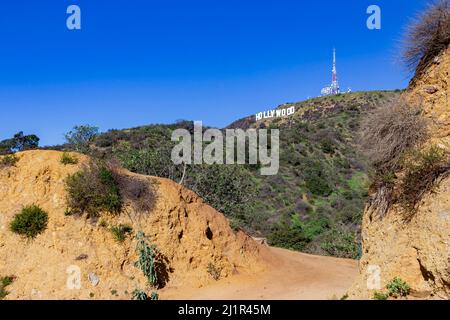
[417, 250]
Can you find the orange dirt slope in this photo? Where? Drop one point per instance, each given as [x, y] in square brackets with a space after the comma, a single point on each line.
[190, 235]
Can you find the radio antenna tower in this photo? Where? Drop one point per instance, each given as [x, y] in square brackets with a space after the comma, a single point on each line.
[334, 84]
[334, 87]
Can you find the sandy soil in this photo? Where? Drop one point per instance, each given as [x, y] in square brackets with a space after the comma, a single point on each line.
[290, 275]
[189, 234]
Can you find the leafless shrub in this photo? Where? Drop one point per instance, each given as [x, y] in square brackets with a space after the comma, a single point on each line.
[381, 201]
[387, 133]
[427, 35]
[136, 191]
[422, 168]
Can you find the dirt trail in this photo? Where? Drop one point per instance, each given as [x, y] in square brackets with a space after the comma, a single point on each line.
[291, 275]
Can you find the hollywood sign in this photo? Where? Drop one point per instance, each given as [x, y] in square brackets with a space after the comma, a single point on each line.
[275, 113]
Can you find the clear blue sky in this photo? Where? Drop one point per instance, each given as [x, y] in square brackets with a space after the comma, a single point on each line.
[137, 62]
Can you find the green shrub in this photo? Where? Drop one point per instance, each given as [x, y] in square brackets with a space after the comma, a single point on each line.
[19, 142]
[317, 183]
[284, 236]
[213, 271]
[93, 190]
[398, 287]
[121, 231]
[154, 296]
[4, 282]
[66, 159]
[152, 159]
[296, 234]
[9, 160]
[103, 223]
[341, 243]
[380, 295]
[327, 146]
[229, 189]
[139, 295]
[30, 222]
[81, 137]
[147, 259]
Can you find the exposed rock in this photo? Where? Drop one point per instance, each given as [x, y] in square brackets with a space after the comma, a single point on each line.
[93, 279]
[262, 241]
[36, 293]
[418, 250]
[82, 256]
[430, 89]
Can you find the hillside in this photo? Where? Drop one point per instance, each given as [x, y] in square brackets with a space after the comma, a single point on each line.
[198, 251]
[189, 233]
[314, 204]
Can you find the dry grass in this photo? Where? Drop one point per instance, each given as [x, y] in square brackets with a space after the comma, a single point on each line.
[137, 192]
[387, 133]
[418, 173]
[422, 168]
[404, 169]
[427, 35]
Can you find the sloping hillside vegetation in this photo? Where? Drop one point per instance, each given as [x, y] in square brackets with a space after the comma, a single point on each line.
[316, 201]
[314, 204]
